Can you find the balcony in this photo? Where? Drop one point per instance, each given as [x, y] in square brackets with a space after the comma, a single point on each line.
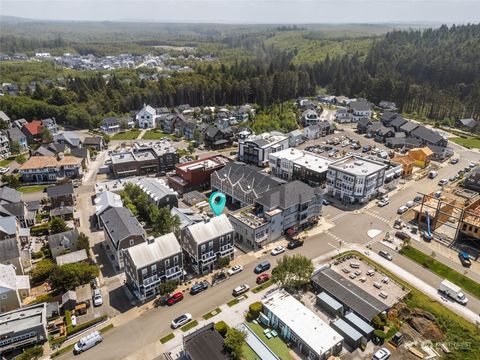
[173, 273]
[226, 250]
[150, 280]
[208, 258]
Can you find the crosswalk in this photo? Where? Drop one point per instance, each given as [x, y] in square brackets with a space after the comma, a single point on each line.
[373, 241]
[333, 236]
[339, 216]
[376, 216]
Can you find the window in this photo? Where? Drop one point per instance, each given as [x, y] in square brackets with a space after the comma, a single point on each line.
[175, 260]
[154, 268]
[131, 242]
[144, 272]
[210, 245]
[202, 248]
[167, 263]
[221, 240]
[228, 237]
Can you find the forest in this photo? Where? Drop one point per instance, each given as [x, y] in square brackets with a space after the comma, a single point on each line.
[431, 74]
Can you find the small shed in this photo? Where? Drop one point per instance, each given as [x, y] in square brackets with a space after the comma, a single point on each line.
[69, 300]
[84, 294]
[351, 336]
[329, 304]
[359, 324]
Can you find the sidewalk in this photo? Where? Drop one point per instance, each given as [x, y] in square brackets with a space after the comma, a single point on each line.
[140, 136]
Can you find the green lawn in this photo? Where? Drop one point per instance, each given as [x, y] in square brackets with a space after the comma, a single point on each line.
[248, 353]
[156, 135]
[106, 328]
[5, 162]
[31, 189]
[275, 343]
[263, 286]
[471, 143]
[442, 270]
[167, 338]
[127, 135]
[189, 326]
[236, 300]
[62, 351]
[212, 313]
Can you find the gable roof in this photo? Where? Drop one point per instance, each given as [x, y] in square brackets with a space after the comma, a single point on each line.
[288, 195]
[154, 250]
[388, 116]
[60, 190]
[428, 135]
[120, 223]
[470, 123]
[57, 240]
[43, 151]
[38, 162]
[4, 116]
[8, 225]
[92, 140]
[9, 249]
[107, 200]
[16, 209]
[10, 195]
[8, 277]
[217, 226]
[81, 153]
[72, 257]
[365, 121]
[34, 127]
[15, 134]
[398, 121]
[408, 126]
[69, 137]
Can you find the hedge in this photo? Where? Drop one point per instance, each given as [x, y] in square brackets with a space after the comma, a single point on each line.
[58, 340]
[73, 330]
[222, 327]
[254, 310]
[39, 230]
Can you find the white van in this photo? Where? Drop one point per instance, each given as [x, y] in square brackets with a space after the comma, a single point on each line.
[432, 174]
[355, 265]
[87, 342]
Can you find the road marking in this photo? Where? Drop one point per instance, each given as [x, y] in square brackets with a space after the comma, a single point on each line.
[339, 216]
[333, 246]
[371, 213]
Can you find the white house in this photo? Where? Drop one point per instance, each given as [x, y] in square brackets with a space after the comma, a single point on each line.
[146, 117]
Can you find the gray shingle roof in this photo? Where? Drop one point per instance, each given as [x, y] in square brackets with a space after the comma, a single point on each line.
[8, 225]
[15, 209]
[408, 126]
[398, 121]
[120, 223]
[428, 135]
[15, 134]
[288, 195]
[81, 153]
[10, 195]
[60, 190]
[9, 249]
[92, 140]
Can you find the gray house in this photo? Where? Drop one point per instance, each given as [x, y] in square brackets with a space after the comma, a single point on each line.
[151, 263]
[62, 243]
[204, 243]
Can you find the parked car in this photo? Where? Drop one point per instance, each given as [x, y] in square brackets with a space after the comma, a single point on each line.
[87, 342]
[402, 209]
[402, 236]
[235, 270]
[411, 203]
[385, 254]
[263, 278]
[199, 287]
[464, 258]
[175, 298]
[432, 174]
[263, 266]
[181, 320]
[239, 290]
[472, 165]
[418, 199]
[443, 182]
[454, 161]
[383, 202]
[325, 202]
[97, 297]
[382, 354]
[4, 170]
[366, 148]
[278, 250]
[294, 244]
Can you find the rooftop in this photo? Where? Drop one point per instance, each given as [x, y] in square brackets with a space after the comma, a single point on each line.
[307, 326]
[248, 217]
[217, 226]
[38, 162]
[60, 190]
[121, 223]
[266, 139]
[207, 163]
[155, 188]
[357, 166]
[106, 200]
[288, 195]
[205, 344]
[23, 319]
[72, 257]
[154, 250]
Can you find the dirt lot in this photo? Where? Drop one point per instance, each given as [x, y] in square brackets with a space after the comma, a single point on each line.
[370, 280]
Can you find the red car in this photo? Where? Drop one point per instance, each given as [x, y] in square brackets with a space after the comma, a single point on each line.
[263, 278]
[175, 298]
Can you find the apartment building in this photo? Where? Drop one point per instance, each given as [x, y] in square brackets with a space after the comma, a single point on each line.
[4, 146]
[158, 192]
[255, 149]
[13, 288]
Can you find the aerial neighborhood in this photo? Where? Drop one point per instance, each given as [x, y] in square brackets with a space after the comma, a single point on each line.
[95, 224]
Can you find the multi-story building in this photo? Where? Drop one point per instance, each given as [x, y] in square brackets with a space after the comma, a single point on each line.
[16, 135]
[51, 125]
[4, 145]
[242, 183]
[146, 117]
[63, 242]
[32, 131]
[48, 169]
[13, 288]
[104, 201]
[122, 230]
[151, 263]
[110, 125]
[354, 179]
[309, 117]
[293, 164]
[10, 251]
[204, 243]
[286, 209]
[360, 108]
[61, 195]
[195, 175]
[255, 149]
[23, 327]
[158, 192]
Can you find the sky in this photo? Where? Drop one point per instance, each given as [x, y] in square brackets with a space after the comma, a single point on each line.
[249, 11]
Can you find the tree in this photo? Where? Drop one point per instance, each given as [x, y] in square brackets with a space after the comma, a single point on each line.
[254, 310]
[191, 147]
[69, 276]
[42, 270]
[162, 220]
[20, 159]
[223, 262]
[11, 180]
[234, 341]
[167, 287]
[83, 242]
[197, 135]
[15, 147]
[46, 135]
[293, 272]
[222, 327]
[32, 353]
[57, 225]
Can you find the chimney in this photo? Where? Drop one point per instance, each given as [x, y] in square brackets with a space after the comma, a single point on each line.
[150, 240]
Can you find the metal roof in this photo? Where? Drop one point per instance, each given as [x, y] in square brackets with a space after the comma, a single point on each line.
[150, 252]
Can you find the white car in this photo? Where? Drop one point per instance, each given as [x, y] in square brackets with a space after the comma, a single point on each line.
[235, 270]
[240, 290]
[97, 297]
[402, 209]
[443, 182]
[74, 320]
[383, 203]
[278, 250]
[410, 204]
[181, 320]
[4, 170]
[382, 354]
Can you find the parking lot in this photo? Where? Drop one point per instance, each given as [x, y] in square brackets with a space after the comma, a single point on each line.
[370, 280]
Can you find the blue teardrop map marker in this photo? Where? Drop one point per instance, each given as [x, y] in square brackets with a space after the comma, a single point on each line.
[217, 202]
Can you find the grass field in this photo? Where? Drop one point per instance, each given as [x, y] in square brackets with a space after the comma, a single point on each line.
[263, 286]
[106, 328]
[471, 143]
[155, 135]
[212, 313]
[63, 351]
[127, 135]
[167, 338]
[236, 300]
[189, 326]
[31, 189]
[248, 353]
[5, 162]
[275, 343]
[442, 270]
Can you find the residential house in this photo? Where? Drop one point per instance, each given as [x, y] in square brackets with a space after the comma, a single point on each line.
[300, 326]
[9, 195]
[256, 148]
[324, 128]
[241, 183]
[215, 138]
[63, 242]
[472, 180]
[354, 179]
[169, 122]
[95, 142]
[32, 131]
[20, 210]
[150, 263]
[158, 193]
[440, 153]
[105, 201]
[407, 164]
[363, 124]
[10, 252]
[68, 138]
[122, 230]
[309, 117]
[468, 124]
[343, 116]
[195, 175]
[13, 288]
[286, 209]
[186, 129]
[383, 133]
[360, 108]
[293, 164]
[110, 125]
[421, 156]
[51, 149]
[83, 154]
[398, 122]
[51, 125]
[372, 129]
[408, 127]
[388, 105]
[146, 117]
[6, 120]
[395, 142]
[295, 138]
[428, 137]
[204, 243]
[387, 117]
[22, 328]
[61, 195]
[72, 257]
[4, 145]
[205, 343]
[20, 123]
[16, 135]
[188, 216]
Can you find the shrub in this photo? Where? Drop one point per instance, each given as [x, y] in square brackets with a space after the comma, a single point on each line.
[73, 330]
[41, 271]
[222, 328]
[39, 230]
[254, 310]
